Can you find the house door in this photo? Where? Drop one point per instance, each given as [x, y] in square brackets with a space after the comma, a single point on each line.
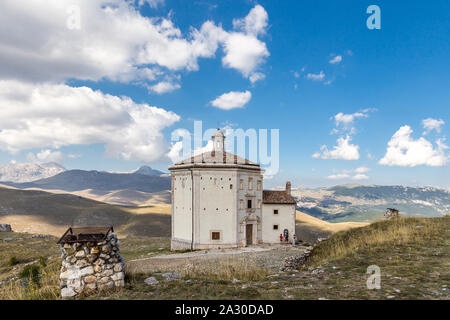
[249, 234]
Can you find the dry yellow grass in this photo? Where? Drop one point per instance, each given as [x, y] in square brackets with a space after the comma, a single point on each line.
[305, 220]
[47, 213]
[228, 269]
[153, 209]
[387, 233]
[33, 224]
[48, 288]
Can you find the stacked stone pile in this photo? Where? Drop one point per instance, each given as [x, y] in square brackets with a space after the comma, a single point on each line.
[295, 262]
[91, 266]
[5, 227]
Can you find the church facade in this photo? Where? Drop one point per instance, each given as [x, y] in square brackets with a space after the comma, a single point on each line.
[218, 201]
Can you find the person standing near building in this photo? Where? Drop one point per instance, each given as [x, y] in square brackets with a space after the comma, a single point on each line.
[294, 240]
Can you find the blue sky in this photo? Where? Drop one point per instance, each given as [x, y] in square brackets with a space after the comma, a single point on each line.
[382, 83]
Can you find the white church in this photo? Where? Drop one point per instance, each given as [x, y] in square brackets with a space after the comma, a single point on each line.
[218, 201]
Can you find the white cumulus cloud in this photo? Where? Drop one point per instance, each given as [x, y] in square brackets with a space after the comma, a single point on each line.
[163, 87]
[344, 150]
[336, 59]
[151, 3]
[244, 53]
[257, 76]
[46, 155]
[114, 41]
[232, 100]
[345, 121]
[404, 150]
[316, 76]
[431, 124]
[254, 23]
[56, 115]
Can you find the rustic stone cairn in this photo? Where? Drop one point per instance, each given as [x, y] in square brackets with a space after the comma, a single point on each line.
[391, 213]
[5, 227]
[92, 266]
[295, 262]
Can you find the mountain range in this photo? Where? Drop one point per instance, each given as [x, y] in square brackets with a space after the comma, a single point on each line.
[76, 180]
[146, 186]
[27, 172]
[143, 186]
[369, 202]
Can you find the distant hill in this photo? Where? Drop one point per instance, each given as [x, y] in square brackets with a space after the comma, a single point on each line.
[48, 213]
[76, 180]
[367, 203]
[27, 172]
[148, 171]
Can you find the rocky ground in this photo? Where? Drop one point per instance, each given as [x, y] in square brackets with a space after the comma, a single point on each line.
[270, 257]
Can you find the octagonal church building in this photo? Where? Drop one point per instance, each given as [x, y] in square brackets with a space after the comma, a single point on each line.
[218, 201]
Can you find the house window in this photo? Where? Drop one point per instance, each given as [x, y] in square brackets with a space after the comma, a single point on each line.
[249, 204]
[250, 183]
[275, 227]
[258, 185]
[231, 186]
[241, 184]
[275, 211]
[215, 235]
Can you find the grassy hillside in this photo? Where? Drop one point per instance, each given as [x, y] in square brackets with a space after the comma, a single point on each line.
[413, 255]
[309, 228]
[47, 213]
[19, 250]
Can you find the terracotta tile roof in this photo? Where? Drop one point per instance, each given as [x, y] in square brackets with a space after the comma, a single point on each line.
[277, 197]
[218, 157]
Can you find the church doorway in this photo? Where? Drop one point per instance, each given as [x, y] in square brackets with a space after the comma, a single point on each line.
[249, 234]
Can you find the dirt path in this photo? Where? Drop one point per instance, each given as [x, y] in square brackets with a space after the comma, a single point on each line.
[271, 257]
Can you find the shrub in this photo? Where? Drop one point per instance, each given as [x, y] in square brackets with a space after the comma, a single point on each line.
[48, 288]
[42, 261]
[13, 261]
[31, 272]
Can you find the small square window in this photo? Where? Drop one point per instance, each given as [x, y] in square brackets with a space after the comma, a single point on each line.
[275, 227]
[215, 235]
[249, 204]
[231, 186]
[275, 211]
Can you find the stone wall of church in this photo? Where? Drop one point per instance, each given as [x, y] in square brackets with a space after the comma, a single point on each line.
[285, 219]
[217, 207]
[182, 206]
[218, 199]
